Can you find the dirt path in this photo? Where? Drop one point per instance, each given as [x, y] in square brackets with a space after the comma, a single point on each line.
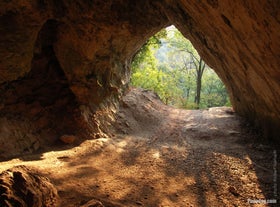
[161, 156]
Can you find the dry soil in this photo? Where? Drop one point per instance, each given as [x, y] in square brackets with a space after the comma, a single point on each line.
[160, 156]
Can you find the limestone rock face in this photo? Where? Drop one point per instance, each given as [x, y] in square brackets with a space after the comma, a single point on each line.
[20, 186]
[63, 64]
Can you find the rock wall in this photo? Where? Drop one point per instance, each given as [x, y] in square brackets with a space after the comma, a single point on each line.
[67, 62]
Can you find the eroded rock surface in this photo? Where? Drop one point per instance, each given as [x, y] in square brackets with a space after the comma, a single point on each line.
[20, 186]
[64, 64]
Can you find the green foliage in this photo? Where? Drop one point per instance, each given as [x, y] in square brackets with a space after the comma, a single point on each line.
[168, 64]
[214, 91]
[144, 55]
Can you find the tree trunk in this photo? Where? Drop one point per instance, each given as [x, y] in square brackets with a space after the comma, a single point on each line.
[199, 72]
[198, 89]
[188, 93]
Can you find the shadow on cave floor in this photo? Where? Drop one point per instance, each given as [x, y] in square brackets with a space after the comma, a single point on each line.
[161, 156]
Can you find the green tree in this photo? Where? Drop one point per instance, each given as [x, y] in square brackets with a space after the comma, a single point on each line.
[146, 72]
[169, 65]
[191, 60]
[145, 53]
[214, 91]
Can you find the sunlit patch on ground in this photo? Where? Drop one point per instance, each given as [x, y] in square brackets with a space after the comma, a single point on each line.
[182, 158]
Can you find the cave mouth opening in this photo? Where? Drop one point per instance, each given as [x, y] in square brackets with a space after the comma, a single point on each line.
[169, 65]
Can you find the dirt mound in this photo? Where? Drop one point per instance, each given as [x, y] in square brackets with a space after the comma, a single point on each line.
[140, 110]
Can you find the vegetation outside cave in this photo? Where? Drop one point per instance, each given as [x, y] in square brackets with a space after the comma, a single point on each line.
[169, 65]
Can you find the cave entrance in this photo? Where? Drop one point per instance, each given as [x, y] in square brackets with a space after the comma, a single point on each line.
[169, 65]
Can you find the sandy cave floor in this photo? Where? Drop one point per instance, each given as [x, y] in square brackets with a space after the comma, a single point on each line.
[160, 156]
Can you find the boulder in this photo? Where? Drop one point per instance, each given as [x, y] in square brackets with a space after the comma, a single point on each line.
[22, 186]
